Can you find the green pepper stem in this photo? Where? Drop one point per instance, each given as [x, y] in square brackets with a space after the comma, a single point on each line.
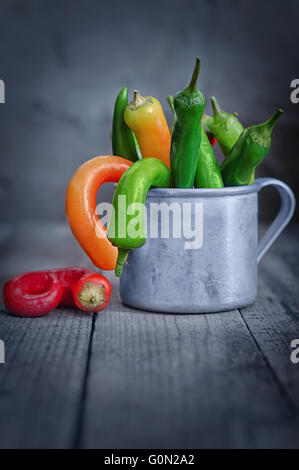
[193, 82]
[265, 129]
[272, 121]
[216, 108]
[121, 259]
[170, 102]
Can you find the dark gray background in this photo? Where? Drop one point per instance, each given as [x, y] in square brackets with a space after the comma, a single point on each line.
[63, 62]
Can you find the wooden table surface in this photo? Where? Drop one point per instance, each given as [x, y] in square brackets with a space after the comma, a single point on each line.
[131, 379]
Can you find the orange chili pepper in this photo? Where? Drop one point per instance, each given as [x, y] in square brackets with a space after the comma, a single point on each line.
[144, 115]
[81, 207]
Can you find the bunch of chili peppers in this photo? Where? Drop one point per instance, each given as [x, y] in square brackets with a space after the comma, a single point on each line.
[151, 155]
[36, 293]
[145, 154]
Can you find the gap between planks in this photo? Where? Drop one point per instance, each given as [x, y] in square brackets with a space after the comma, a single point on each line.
[77, 439]
[279, 385]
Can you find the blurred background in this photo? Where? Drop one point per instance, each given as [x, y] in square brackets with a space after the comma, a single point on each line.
[64, 61]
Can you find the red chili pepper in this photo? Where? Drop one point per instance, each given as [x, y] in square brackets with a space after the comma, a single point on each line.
[36, 293]
[67, 277]
[211, 138]
[32, 294]
[92, 292]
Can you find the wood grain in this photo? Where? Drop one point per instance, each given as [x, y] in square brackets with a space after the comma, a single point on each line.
[127, 379]
[274, 318]
[169, 381]
[42, 382]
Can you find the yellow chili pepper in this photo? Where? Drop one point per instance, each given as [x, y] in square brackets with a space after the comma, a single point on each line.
[144, 115]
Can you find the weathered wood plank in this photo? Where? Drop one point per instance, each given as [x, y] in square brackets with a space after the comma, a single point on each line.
[42, 382]
[154, 380]
[180, 381]
[274, 318]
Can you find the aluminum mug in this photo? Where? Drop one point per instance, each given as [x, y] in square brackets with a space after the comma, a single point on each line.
[221, 273]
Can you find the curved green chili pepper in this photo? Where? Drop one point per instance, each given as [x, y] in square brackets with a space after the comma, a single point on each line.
[124, 142]
[189, 106]
[208, 173]
[251, 148]
[129, 198]
[224, 126]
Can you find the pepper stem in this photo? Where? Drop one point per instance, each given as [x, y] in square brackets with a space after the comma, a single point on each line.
[121, 259]
[272, 121]
[170, 102]
[138, 100]
[264, 131]
[92, 295]
[193, 82]
[216, 108]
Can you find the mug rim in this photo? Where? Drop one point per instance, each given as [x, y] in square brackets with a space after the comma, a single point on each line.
[205, 192]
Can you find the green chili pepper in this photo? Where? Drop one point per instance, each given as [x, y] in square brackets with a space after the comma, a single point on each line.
[189, 106]
[129, 198]
[224, 126]
[124, 142]
[208, 173]
[251, 148]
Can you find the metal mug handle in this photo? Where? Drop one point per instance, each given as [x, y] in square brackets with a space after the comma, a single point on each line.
[283, 217]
